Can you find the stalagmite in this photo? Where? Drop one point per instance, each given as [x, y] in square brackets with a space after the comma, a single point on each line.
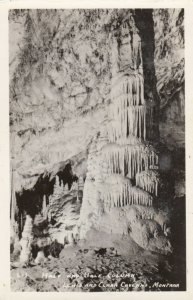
[40, 258]
[44, 208]
[26, 240]
[65, 189]
[80, 183]
[74, 186]
[56, 186]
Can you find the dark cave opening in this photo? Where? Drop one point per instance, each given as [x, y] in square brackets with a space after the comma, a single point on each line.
[67, 176]
[29, 202]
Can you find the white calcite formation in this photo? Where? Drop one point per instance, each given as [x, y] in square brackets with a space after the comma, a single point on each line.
[26, 240]
[59, 188]
[125, 153]
[122, 164]
[130, 158]
[44, 208]
[40, 258]
[117, 191]
[64, 209]
[148, 180]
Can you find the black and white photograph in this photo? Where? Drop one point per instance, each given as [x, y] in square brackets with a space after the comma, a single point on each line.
[97, 150]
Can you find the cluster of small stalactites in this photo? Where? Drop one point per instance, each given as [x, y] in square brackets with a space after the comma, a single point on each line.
[128, 111]
[129, 159]
[112, 166]
[59, 187]
[148, 180]
[128, 90]
[117, 191]
[131, 121]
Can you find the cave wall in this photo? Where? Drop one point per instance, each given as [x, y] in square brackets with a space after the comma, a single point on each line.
[57, 70]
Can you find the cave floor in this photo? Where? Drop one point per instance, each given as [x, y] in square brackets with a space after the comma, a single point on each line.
[105, 262]
[87, 268]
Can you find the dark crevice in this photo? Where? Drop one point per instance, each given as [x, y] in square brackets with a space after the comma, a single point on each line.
[30, 201]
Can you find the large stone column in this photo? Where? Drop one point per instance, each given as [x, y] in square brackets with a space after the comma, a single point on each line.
[128, 153]
[122, 173]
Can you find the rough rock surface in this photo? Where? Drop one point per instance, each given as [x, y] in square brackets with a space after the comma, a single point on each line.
[43, 53]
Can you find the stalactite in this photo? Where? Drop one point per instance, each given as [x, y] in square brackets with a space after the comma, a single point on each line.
[130, 121]
[129, 90]
[130, 140]
[118, 191]
[137, 53]
[129, 159]
[148, 180]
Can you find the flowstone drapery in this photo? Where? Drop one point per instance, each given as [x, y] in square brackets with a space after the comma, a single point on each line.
[122, 164]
